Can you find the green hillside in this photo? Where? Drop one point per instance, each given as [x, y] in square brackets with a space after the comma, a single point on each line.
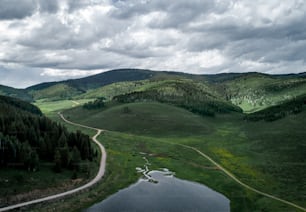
[17, 93]
[99, 80]
[10, 106]
[56, 92]
[93, 84]
[112, 90]
[194, 96]
[150, 118]
[253, 92]
[285, 108]
[249, 91]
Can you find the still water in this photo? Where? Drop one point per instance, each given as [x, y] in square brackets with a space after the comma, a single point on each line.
[161, 191]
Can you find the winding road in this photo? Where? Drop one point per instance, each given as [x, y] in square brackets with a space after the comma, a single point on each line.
[239, 182]
[98, 177]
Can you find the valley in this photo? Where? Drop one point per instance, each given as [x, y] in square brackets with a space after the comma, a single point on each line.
[239, 134]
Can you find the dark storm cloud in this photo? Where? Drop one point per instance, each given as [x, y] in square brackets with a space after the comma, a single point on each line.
[16, 9]
[269, 42]
[74, 5]
[175, 13]
[19, 9]
[49, 6]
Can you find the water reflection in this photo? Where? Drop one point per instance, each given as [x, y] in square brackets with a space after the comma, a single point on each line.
[159, 190]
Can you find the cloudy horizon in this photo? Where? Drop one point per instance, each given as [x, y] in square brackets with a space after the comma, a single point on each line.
[51, 40]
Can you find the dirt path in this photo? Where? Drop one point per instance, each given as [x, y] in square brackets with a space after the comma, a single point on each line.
[241, 183]
[75, 102]
[89, 184]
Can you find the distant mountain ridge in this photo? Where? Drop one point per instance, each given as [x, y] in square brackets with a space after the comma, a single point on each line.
[101, 79]
[251, 91]
[14, 92]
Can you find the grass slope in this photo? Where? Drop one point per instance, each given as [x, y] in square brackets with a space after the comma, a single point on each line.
[150, 118]
[270, 159]
[99, 80]
[49, 107]
[194, 96]
[56, 92]
[253, 92]
[292, 106]
[16, 93]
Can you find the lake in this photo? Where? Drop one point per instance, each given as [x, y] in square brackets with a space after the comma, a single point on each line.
[161, 191]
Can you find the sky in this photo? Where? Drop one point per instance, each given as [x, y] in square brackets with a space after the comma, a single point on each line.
[52, 40]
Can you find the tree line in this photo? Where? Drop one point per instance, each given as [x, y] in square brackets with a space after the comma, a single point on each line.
[28, 139]
[293, 106]
[181, 95]
[96, 104]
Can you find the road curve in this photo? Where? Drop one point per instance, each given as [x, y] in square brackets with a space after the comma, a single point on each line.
[89, 184]
[241, 183]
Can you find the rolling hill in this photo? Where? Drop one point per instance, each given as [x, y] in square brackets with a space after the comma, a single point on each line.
[17, 93]
[143, 118]
[157, 113]
[249, 91]
[254, 91]
[68, 89]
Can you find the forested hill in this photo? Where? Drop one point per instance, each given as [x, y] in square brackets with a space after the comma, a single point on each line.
[188, 94]
[10, 106]
[27, 138]
[288, 107]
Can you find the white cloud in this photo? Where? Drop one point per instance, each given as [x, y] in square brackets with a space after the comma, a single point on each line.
[74, 38]
[71, 73]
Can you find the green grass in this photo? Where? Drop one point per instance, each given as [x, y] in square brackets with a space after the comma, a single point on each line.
[269, 158]
[48, 107]
[109, 91]
[58, 91]
[124, 156]
[149, 118]
[166, 85]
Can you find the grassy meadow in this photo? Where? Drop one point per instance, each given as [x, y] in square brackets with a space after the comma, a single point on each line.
[126, 152]
[249, 154]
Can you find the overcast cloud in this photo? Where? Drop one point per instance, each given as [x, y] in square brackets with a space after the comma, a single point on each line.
[47, 40]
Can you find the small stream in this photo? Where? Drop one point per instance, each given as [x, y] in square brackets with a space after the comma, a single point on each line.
[159, 190]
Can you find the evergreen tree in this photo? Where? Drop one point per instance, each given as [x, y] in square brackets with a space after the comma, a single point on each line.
[65, 156]
[34, 161]
[75, 158]
[57, 161]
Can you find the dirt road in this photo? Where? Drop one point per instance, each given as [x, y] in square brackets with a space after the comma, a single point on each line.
[89, 184]
[241, 183]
